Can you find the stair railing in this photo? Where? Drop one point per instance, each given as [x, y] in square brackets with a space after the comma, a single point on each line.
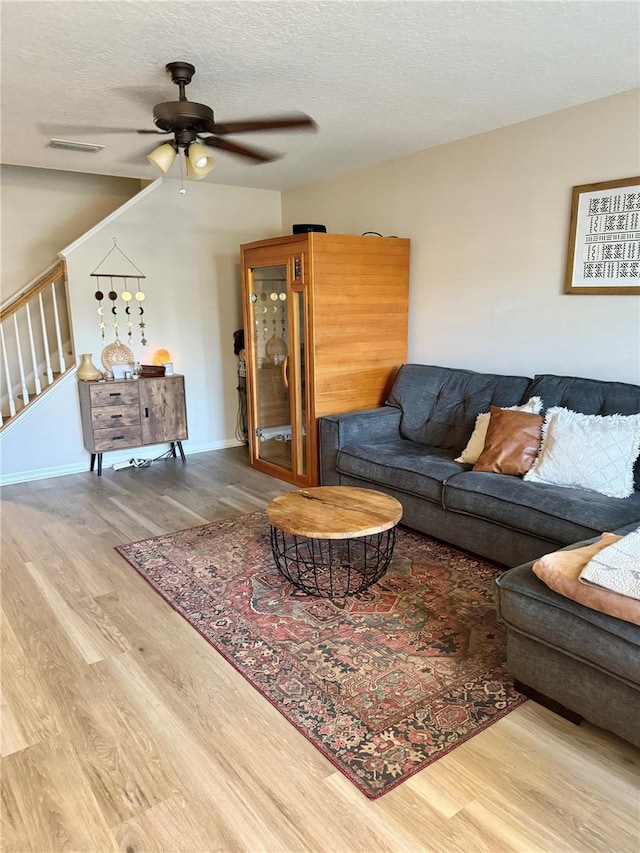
[36, 344]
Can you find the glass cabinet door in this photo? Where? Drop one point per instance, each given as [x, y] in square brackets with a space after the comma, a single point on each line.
[277, 360]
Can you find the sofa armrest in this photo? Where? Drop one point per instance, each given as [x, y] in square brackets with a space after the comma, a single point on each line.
[369, 426]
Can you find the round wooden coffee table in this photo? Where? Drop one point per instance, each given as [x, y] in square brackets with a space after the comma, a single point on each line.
[333, 541]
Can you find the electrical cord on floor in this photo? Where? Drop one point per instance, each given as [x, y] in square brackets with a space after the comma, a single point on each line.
[140, 463]
[241, 420]
[143, 463]
[168, 454]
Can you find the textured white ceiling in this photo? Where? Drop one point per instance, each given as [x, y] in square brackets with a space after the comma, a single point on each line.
[382, 79]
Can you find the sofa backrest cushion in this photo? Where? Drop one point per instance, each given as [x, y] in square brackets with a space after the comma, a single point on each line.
[439, 404]
[589, 396]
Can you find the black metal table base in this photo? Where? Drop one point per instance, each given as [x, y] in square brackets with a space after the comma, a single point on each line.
[332, 568]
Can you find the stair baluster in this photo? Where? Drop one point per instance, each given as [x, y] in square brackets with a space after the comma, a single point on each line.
[7, 372]
[56, 320]
[45, 340]
[23, 378]
[32, 346]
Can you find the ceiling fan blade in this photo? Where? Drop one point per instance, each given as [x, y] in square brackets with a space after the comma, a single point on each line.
[255, 154]
[299, 120]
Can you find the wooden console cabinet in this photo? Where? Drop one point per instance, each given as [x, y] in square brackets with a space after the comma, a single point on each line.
[132, 413]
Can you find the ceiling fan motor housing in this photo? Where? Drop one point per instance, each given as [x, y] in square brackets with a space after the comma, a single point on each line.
[182, 115]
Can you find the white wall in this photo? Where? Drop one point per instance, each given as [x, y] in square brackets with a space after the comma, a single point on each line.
[488, 217]
[188, 248]
[44, 210]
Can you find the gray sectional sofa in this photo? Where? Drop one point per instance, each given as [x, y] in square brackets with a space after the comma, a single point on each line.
[408, 447]
[567, 656]
[570, 657]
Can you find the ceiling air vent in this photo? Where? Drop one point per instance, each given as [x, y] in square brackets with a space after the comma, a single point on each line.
[70, 145]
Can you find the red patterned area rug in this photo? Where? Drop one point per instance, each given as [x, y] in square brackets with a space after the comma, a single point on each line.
[383, 683]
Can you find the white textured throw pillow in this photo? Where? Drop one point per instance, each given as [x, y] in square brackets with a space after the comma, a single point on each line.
[595, 452]
[475, 445]
[616, 567]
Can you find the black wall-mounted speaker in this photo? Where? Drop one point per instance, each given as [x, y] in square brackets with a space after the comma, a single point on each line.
[303, 229]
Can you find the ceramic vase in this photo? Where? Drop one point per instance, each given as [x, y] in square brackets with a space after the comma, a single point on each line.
[87, 371]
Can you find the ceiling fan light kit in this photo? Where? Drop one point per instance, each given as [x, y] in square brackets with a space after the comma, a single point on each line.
[163, 156]
[199, 161]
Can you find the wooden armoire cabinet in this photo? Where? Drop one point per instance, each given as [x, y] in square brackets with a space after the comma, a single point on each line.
[325, 319]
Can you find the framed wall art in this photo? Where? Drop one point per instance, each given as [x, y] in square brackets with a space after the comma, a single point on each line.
[604, 238]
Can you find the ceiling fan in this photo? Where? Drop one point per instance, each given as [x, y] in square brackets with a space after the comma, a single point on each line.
[193, 128]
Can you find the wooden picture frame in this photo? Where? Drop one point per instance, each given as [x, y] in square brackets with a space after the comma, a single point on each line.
[604, 238]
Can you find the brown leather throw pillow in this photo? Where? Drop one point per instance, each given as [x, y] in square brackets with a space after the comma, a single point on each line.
[512, 442]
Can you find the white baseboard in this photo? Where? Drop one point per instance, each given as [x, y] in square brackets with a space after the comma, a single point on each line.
[109, 459]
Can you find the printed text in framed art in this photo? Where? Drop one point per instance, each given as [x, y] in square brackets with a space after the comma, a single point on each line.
[604, 238]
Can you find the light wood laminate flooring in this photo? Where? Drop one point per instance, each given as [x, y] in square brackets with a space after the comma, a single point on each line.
[123, 730]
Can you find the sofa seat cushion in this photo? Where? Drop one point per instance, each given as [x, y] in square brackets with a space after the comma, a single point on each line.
[555, 513]
[530, 607]
[400, 464]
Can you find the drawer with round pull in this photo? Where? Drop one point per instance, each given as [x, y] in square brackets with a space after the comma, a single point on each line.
[114, 393]
[105, 417]
[116, 438]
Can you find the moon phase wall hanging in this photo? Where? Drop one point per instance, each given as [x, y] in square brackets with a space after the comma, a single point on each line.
[132, 295]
